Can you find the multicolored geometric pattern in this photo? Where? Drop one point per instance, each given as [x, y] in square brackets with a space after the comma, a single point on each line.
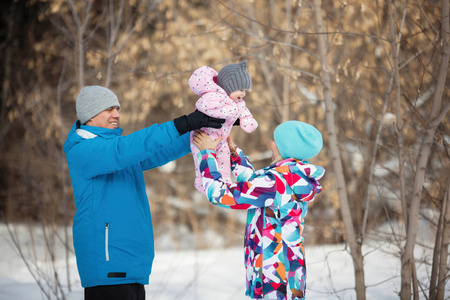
[276, 198]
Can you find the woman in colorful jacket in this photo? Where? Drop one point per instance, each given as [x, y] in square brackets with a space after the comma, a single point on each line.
[276, 198]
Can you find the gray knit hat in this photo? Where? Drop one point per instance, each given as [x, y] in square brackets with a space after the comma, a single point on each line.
[92, 100]
[234, 77]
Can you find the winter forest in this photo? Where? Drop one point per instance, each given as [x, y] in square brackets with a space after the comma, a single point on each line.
[371, 75]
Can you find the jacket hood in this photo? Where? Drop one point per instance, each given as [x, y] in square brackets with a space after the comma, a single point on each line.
[80, 132]
[204, 80]
[301, 176]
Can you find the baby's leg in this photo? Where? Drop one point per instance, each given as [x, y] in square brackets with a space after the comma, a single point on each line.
[223, 161]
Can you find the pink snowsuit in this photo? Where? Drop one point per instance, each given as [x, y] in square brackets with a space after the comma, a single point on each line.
[215, 102]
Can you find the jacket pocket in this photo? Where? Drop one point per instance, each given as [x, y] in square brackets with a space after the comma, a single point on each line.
[107, 241]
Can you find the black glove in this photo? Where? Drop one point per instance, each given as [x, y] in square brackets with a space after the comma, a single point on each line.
[237, 122]
[196, 120]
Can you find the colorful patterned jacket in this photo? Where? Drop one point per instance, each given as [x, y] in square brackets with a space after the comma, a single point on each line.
[277, 201]
[215, 102]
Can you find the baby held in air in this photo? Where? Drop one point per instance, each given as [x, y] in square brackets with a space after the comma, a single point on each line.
[222, 96]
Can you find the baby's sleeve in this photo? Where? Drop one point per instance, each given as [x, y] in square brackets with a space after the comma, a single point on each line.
[212, 104]
[247, 122]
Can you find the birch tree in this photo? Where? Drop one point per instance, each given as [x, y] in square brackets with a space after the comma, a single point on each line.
[438, 112]
[81, 32]
[439, 273]
[355, 245]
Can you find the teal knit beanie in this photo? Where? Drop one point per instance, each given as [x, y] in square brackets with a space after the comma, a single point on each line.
[298, 140]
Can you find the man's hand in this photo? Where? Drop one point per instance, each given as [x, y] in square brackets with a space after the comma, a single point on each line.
[196, 120]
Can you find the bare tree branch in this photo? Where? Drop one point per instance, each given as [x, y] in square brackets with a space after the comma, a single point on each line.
[355, 248]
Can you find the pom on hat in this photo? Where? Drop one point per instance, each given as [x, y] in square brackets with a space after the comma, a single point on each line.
[234, 77]
[92, 100]
[295, 139]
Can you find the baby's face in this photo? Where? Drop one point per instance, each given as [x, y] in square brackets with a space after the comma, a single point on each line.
[237, 95]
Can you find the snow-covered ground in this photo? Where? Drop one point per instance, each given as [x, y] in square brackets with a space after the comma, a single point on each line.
[207, 274]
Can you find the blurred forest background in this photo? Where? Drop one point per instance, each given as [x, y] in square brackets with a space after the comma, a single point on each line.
[370, 75]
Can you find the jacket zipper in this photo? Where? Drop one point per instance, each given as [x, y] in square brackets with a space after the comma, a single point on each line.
[106, 241]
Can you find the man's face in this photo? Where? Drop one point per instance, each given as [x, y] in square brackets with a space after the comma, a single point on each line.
[109, 118]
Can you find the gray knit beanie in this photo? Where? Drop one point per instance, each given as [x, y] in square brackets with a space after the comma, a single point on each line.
[92, 100]
[234, 77]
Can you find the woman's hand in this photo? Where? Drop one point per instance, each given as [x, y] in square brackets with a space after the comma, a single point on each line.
[203, 141]
[231, 145]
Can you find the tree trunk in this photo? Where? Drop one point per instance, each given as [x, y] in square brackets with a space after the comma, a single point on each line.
[285, 109]
[435, 118]
[268, 73]
[439, 266]
[355, 247]
[366, 203]
[81, 30]
[443, 269]
[64, 171]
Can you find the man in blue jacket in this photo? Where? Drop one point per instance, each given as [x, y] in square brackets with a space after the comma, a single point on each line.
[112, 227]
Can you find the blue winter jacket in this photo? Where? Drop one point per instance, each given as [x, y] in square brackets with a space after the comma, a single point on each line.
[112, 227]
